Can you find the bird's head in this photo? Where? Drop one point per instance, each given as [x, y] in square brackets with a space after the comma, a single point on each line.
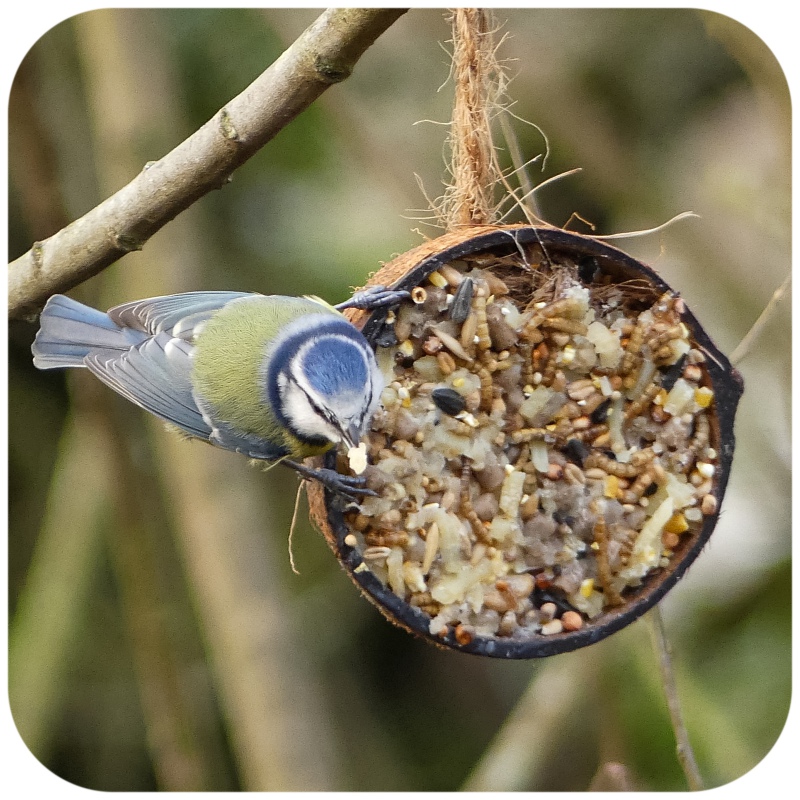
[324, 380]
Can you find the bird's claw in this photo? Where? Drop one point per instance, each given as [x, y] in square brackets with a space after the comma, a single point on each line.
[374, 297]
[348, 486]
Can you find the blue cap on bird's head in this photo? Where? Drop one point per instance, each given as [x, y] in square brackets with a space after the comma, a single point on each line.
[324, 380]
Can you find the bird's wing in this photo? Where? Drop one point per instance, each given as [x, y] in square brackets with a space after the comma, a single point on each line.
[177, 314]
[227, 436]
[155, 375]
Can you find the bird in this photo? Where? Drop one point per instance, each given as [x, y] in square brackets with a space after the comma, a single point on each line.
[275, 378]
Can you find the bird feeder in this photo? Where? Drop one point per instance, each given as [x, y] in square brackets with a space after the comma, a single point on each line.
[552, 450]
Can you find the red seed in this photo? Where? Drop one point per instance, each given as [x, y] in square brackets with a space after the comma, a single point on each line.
[572, 621]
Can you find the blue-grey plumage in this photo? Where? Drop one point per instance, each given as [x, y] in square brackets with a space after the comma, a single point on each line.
[272, 377]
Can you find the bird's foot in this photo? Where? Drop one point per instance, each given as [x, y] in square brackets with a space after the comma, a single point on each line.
[347, 486]
[374, 297]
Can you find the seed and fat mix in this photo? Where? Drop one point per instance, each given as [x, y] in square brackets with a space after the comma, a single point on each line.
[545, 440]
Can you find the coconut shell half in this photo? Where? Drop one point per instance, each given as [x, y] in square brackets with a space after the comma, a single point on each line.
[546, 260]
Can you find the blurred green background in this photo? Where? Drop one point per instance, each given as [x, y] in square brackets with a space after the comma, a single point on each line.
[159, 639]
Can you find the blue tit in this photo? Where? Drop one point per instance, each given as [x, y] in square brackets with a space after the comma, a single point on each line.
[274, 378]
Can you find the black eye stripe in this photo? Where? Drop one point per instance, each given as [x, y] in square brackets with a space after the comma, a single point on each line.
[319, 410]
[286, 419]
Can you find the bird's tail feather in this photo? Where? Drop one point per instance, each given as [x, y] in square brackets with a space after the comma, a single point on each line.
[70, 330]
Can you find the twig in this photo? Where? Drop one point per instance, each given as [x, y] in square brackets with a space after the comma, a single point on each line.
[744, 346]
[529, 735]
[683, 745]
[516, 159]
[323, 55]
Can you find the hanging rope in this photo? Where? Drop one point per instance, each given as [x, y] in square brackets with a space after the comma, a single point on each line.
[470, 198]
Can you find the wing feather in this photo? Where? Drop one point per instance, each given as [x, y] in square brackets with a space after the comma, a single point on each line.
[155, 375]
[178, 314]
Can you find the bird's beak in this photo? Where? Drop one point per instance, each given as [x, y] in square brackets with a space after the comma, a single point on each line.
[351, 435]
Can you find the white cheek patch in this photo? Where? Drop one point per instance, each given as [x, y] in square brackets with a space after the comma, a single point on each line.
[301, 414]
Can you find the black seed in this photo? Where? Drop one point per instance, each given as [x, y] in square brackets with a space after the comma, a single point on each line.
[576, 451]
[540, 597]
[600, 414]
[404, 361]
[449, 401]
[671, 374]
[462, 301]
[563, 519]
[588, 269]
[385, 337]
[651, 489]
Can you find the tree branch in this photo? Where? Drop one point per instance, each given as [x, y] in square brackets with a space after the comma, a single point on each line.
[323, 55]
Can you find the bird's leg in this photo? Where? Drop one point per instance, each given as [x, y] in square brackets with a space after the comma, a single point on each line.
[348, 486]
[374, 297]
